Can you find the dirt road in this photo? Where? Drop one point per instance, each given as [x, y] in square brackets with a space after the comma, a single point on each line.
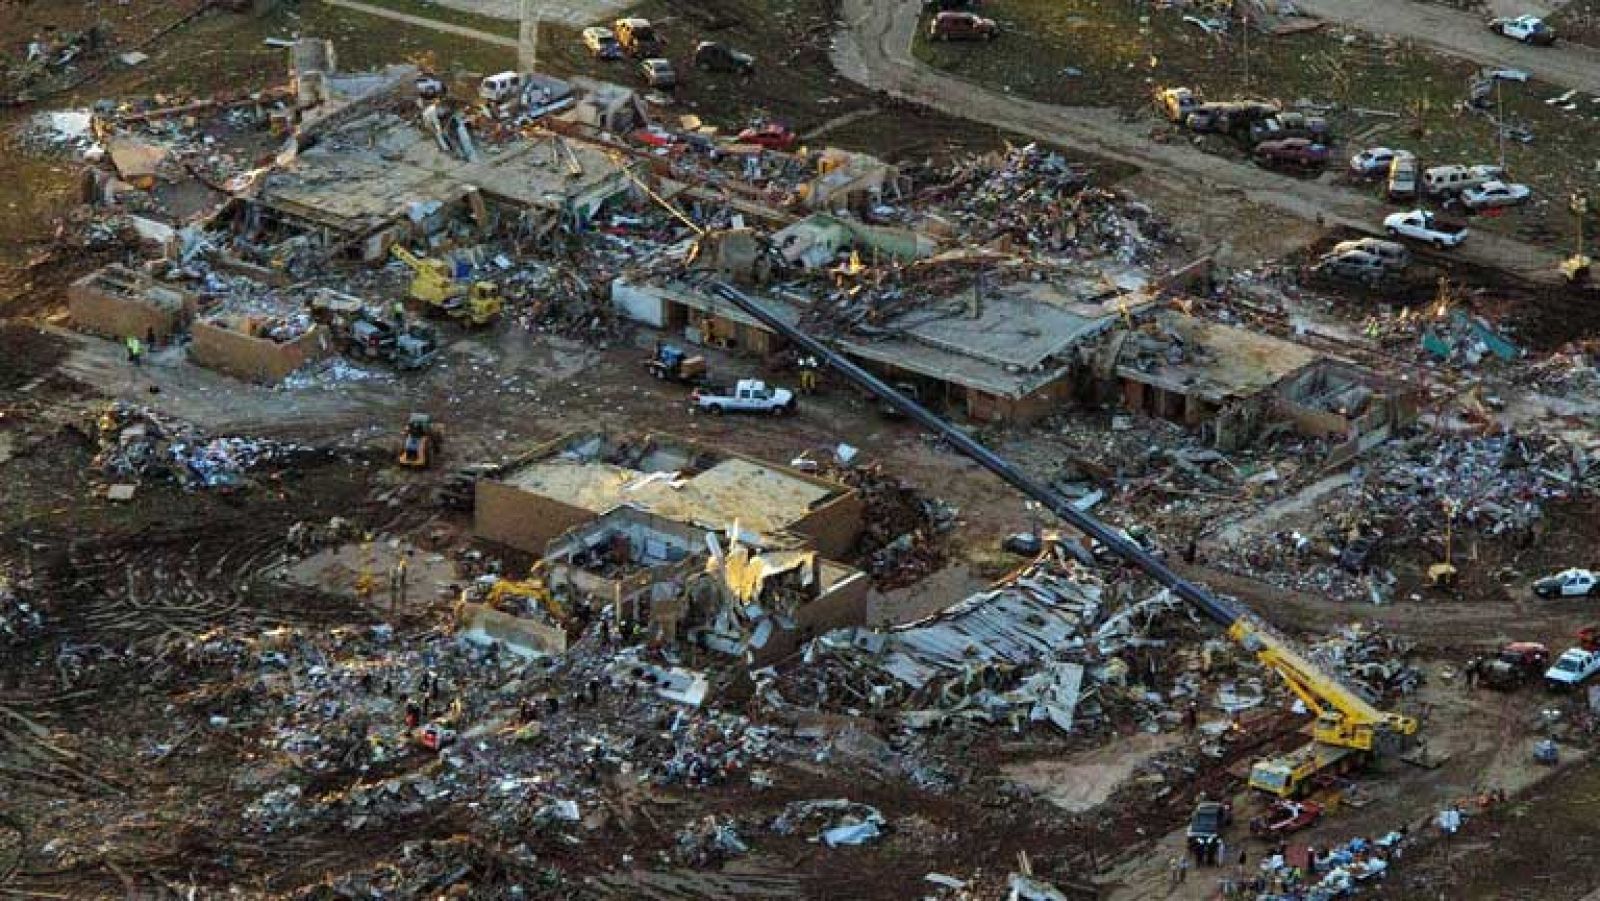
[875, 51]
[1463, 34]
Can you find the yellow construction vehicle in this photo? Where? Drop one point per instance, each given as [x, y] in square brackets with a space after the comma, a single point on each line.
[508, 595]
[1347, 729]
[478, 303]
[420, 446]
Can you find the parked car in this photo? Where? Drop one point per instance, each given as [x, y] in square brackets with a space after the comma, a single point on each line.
[1395, 256]
[1402, 183]
[770, 135]
[1421, 225]
[601, 43]
[1527, 29]
[638, 37]
[1572, 667]
[1374, 162]
[430, 87]
[658, 73]
[1291, 125]
[1494, 194]
[1229, 116]
[1298, 152]
[1569, 583]
[962, 26]
[711, 56]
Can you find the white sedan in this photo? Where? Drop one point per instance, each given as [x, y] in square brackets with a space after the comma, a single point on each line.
[1493, 194]
[1374, 161]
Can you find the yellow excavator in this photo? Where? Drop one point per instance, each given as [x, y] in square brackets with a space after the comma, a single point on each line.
[478, 303]
[1347, 730]
[506, 593]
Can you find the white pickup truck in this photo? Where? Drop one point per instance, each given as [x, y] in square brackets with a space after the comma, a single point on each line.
[1573, 666]
[1421, 225]
[748, 396]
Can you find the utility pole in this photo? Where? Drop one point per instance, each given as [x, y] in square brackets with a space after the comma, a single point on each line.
[1244, 23]
[1500, 119]
[528, 37]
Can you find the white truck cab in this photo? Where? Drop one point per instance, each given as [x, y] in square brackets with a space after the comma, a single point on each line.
[748, 396]
[500, 87]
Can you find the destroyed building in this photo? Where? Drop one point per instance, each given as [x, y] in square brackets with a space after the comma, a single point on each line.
[691, 541]
[118, 302]
[1006, 353]
[1231, 383]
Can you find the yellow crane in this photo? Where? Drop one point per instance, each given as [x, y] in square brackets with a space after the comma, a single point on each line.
[432, 284]
[1347, 728]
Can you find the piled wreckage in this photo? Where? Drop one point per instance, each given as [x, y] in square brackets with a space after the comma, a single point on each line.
[137, 443]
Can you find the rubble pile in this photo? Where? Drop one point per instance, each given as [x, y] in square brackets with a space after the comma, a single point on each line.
[21, 620]
[901, 539]
[836, 821]
[1038, 199]
[1047, 645]
[1369, 660]
[709, 841]
[136, 443]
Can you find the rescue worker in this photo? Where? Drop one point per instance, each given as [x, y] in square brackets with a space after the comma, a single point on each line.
[808, 375]
[135, 350]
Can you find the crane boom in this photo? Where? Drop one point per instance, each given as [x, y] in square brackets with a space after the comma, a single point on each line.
[1344, 719]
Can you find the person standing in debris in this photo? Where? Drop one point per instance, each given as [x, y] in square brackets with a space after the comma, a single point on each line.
[1219, 852]
[135, 350]
[1243, 859]
[1191, 718]
[808, 375]
[397, 585]
[413, 714]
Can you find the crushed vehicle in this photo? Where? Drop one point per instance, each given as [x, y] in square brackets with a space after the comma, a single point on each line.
[1573, 667]
[601, 43]
[962, 26]
[409, 347]
[747, 396]
[1569, 583]
[1291, 125]
[1527, 29]
[1363, 552]
[1177, 103]
[1298, 153]
[1494, 195]
[502, 87]
[638, 37]
[1512, 666]
[1374, 162]
[1285, 817]
[1395, 256]
[1360, 266]
[1228, 117]
[770, 135]
[1421, 225]
[711, 56]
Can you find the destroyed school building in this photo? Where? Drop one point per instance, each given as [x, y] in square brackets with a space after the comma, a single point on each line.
[1023, 351]
[693, 542]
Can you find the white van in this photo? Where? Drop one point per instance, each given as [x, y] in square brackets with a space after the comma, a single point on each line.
[500, 88]
[1448, 180]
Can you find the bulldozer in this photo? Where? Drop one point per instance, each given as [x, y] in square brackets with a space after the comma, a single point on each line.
[420, 447]
[432, 284]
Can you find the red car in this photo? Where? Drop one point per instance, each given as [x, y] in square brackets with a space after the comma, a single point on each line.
[1285, 817]
[771, 136]
[1292, 152]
